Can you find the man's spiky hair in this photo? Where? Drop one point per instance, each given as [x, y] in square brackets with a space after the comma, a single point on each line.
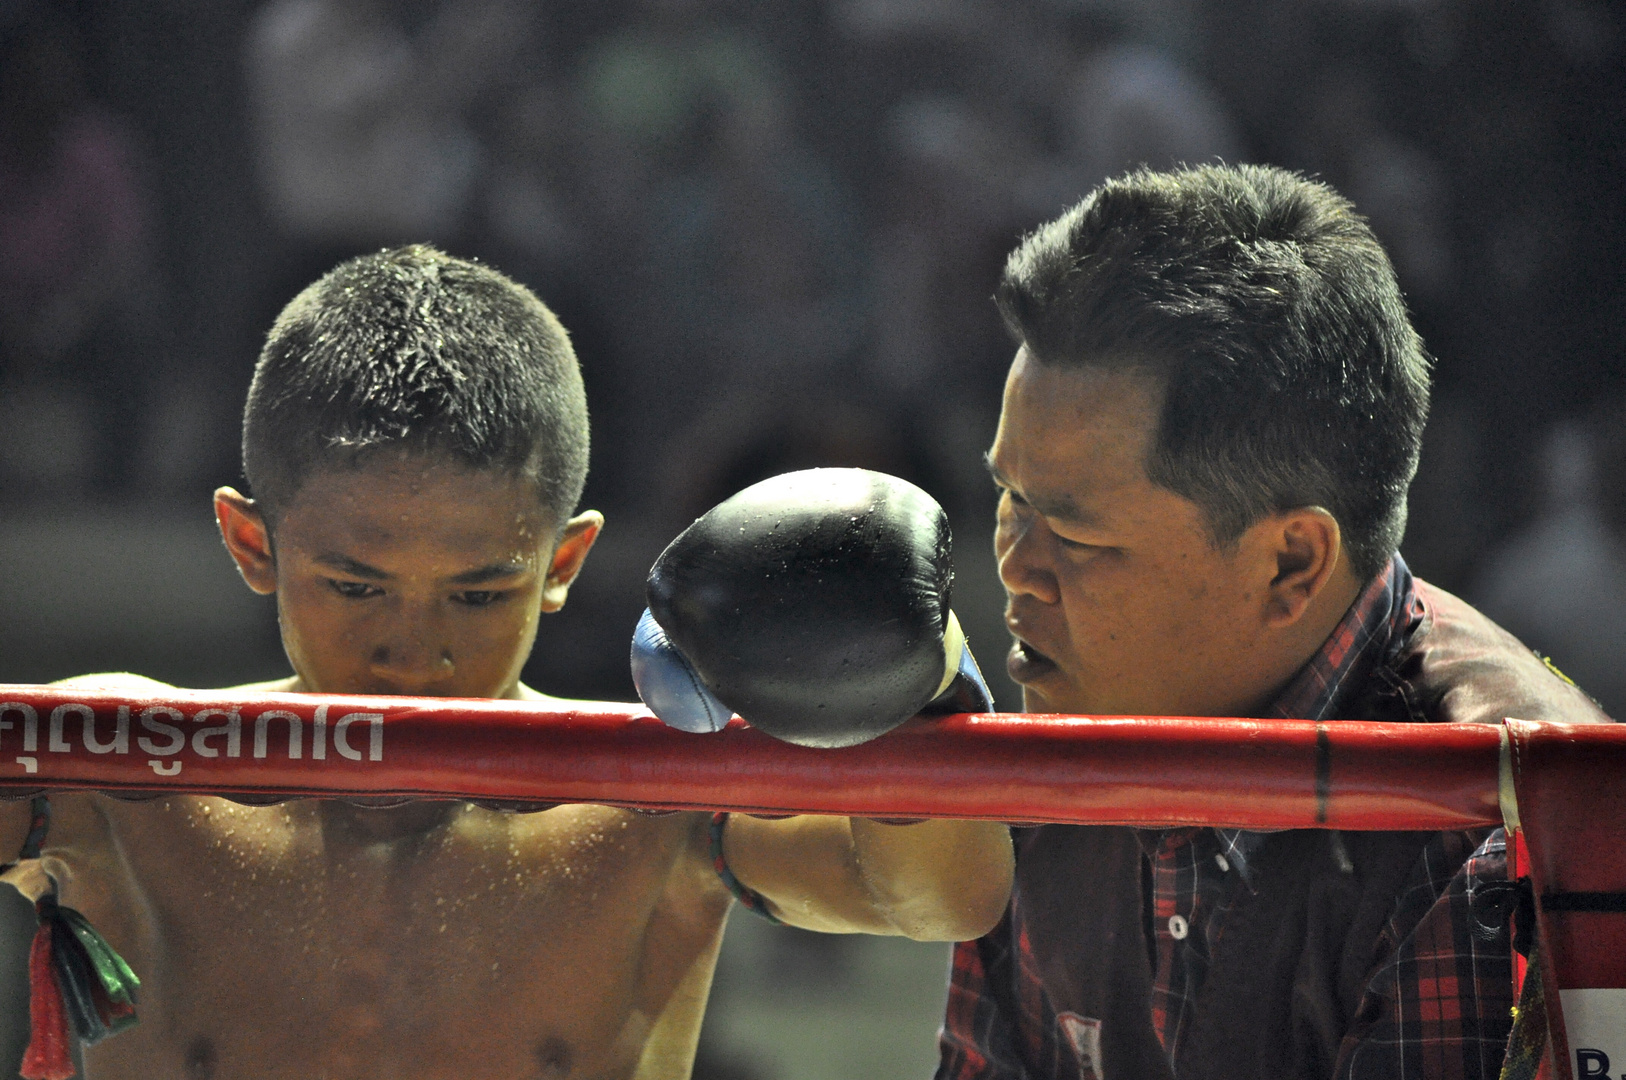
[415, 350]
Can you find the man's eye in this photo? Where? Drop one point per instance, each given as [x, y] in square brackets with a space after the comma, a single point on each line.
[354, 590]
[480, 597]
[1079, 548]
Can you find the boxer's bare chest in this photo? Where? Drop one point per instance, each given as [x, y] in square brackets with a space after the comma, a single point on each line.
[319, 939]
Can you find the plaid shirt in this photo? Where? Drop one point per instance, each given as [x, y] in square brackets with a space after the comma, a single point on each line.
[1437, 1003]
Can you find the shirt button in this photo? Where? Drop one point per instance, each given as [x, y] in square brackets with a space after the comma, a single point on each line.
[1178, 927]
[1223, 863]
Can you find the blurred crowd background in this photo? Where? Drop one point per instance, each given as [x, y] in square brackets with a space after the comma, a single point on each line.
[773, 227]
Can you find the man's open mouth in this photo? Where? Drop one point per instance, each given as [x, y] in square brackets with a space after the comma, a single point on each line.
[1027, 664]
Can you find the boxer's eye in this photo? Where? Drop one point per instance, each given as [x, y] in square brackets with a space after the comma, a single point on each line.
[480, 597]
[354, 590]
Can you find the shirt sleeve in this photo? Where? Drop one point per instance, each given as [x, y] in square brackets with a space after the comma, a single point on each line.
[1439, 1004]
[977, 1041]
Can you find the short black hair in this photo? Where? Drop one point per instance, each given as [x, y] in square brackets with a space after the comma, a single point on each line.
[1292, 374]
[415, 350]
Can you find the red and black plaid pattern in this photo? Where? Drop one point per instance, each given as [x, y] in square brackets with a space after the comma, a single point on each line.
[1440, 1007]
[1383, 616]
[999, 1024]
[1195, 872]
[1436, 1007]
[1190, 894]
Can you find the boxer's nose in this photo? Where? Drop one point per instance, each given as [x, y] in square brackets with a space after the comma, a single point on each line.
[414, 657]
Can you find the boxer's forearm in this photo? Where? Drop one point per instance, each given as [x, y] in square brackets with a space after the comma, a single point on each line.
[932, 881]
[936, 880]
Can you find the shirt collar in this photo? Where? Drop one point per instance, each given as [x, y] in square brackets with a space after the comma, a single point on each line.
[1379, 621]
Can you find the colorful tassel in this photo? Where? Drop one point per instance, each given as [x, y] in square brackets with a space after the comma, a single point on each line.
[98, 987]
[114, 986]
[77, 982]
[48, 1056]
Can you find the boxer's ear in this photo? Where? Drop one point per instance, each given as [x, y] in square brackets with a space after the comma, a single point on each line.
[568, 556]
[247, 538]
[1307, 546]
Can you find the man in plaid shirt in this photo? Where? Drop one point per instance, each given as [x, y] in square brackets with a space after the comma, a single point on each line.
[1203, 456]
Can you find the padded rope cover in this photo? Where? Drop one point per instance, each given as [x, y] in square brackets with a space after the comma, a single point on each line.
[1570, 783]
[1030, 768]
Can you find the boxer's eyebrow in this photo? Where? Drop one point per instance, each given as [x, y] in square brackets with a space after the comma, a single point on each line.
[494, 572]
[354, 567]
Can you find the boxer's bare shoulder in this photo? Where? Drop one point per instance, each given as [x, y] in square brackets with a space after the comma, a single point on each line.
[426, 939]
[73, 814]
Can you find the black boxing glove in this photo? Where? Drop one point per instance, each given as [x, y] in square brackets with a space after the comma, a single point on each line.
[814, 605]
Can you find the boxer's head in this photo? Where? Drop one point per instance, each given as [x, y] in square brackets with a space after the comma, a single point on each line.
[1206, 441]
[416, 442]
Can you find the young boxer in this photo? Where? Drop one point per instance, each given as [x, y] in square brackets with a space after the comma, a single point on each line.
[415, 444]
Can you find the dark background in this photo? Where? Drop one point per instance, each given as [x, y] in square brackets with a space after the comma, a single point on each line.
[772, 228]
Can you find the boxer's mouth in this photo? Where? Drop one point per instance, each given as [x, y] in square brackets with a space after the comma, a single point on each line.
[1027, 664]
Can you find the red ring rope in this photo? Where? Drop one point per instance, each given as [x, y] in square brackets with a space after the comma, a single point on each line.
[1246, 773]
[1273, 774]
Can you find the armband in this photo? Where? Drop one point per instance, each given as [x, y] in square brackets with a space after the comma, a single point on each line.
[746, 895]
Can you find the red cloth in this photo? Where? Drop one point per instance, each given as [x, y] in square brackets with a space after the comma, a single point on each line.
[48, 1056]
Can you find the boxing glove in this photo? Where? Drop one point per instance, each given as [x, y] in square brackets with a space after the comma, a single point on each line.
[815, 605]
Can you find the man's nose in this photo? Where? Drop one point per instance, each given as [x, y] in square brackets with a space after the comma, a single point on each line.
[1024, 565]
[412, 657]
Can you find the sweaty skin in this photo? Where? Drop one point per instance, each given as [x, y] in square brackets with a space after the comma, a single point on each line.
[432, 939]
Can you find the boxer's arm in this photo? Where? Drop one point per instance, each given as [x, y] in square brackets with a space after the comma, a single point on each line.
[816, 605]
[112, 680]
[931, 881]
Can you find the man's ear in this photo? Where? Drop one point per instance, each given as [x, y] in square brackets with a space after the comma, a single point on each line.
[1307, 547]
[574, 544]
[243, 528]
